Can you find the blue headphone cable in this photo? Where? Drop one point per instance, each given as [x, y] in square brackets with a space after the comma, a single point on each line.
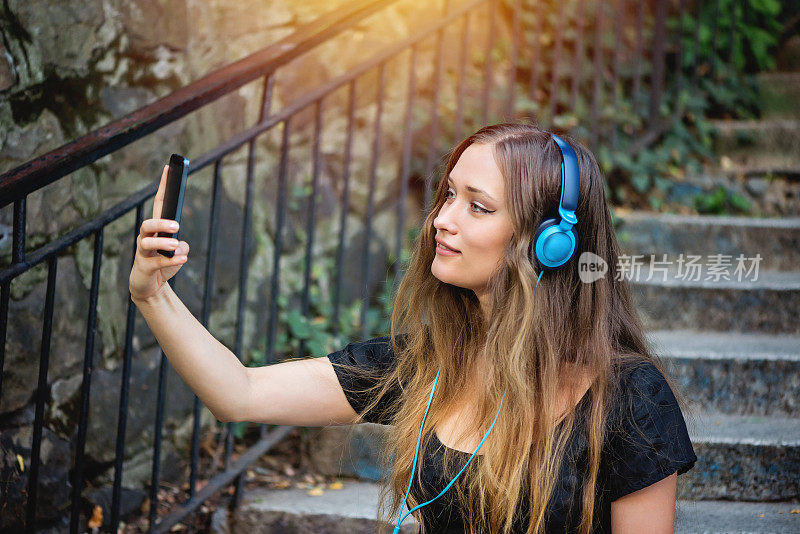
[400, 516]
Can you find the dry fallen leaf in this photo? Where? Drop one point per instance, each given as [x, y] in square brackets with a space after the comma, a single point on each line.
[97, 517]
[335, 485]
[316, 492]
[21, 464]
[795, 511]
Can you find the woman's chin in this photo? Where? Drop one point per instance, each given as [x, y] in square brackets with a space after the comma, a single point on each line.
[436, 271]
[442, 275]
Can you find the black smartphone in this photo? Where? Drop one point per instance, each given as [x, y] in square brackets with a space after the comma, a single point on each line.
[173, 196]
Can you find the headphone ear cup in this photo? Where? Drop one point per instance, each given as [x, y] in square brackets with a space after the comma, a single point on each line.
[547, 223]
[552, 247]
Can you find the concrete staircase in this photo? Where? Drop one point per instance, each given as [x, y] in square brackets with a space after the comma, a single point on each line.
[732, 345]
[756, 160]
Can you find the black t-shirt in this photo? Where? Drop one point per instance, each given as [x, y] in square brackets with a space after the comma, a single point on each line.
[646, 441]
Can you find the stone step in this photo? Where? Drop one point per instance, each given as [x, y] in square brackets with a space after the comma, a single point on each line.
[763, 302]
[725, 517]
[765, 143]
[353, 509]
[734, 373]
[776, 239]
[747, 458]
[349, 510]
[750, 458]
[779, 93]
[740, 190]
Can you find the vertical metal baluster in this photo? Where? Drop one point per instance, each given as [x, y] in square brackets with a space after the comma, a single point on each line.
[405, 166]
[41, 396]
[487, 75]
[697, 21]
[537, 46]
[512, 71]
[266, 103]
[273, 305]
[433, 148]
[576, 78]
[714, 26]
[122, 417]
[88, 366]
[205, 313]
[376, 144]
[306, 305]
[18, 231]
[679, 58]
[17, 254]
[5, 295]
[556, 62]
[637, 64]
[462, 77]
[615, 77]
[732, 44]
[345, 205]
[598, 75]
[158, 426]
[657, 83]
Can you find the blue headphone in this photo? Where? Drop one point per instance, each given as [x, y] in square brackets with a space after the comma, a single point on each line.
[555, 241]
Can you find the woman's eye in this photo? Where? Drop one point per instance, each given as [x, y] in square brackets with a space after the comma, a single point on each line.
[479, 209]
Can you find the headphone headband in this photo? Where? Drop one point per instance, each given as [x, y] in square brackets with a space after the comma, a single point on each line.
[569, 180]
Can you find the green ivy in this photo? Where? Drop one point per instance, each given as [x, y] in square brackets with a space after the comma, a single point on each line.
[721, 201]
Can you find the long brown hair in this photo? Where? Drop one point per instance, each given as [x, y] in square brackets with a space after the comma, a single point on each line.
[535, 339]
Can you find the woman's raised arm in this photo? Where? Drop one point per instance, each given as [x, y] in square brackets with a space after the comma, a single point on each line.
[296, 393]
[300, 392]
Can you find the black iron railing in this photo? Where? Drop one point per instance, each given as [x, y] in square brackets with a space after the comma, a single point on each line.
[552, 75]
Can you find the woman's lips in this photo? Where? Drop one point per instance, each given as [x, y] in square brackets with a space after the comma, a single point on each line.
[444, 251]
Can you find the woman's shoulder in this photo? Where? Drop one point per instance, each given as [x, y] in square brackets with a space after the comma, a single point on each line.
[648, 438]
[646, 409]
[373, 352]
[641, 380]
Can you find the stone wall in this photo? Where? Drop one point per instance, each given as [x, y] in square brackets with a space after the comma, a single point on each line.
[68, 67]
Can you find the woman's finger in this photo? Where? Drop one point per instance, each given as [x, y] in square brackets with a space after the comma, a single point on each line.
[159, 243]
[162, 187]
[151, 264]
[151, 227]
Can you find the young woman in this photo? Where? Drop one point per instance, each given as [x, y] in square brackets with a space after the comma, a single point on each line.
[521, 398]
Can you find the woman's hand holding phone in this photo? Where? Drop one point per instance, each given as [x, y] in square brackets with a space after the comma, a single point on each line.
[152, 270]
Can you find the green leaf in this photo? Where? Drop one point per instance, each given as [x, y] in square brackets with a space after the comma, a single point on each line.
[641, 182]
[298, 324]
[239, 429]
[739, 203]
[769, 7]
[655, 203]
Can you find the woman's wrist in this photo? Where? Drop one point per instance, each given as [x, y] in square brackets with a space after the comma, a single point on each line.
[157, 299]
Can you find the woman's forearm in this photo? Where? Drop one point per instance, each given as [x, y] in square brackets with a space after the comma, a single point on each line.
[210, 369]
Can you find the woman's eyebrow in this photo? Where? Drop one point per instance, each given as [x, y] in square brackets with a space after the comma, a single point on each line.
[473, 189]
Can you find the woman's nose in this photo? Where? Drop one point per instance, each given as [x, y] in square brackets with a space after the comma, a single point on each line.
[444, 220]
